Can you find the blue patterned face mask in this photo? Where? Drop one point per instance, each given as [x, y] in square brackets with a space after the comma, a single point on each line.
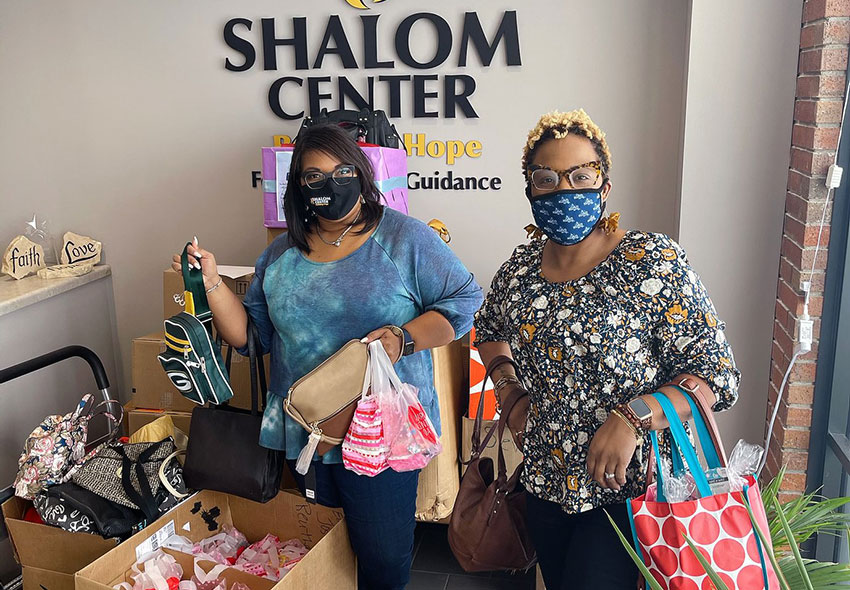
[568, 216]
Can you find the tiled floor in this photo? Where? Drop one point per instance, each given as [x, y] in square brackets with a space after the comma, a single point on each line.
[435, 568]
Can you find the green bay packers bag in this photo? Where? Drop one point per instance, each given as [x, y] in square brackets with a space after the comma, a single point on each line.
[192, 359]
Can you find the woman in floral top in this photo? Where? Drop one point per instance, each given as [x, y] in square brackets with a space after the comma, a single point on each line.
[596, 319]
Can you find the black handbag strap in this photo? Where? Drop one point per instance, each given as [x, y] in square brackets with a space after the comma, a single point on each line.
[143, 497]
[257, 368]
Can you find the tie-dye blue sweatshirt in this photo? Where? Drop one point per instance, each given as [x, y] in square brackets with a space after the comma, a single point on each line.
[305, 311]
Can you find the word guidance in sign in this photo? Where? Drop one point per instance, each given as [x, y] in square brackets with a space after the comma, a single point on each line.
[77, 249]
[434, 95]
[450, 182]
[22, 257]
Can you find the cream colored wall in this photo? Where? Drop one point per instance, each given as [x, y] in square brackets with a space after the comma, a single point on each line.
[118, 120]
[740, 104]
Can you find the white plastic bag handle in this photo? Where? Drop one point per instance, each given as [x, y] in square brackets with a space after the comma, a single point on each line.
[383, 372]
[210, 576]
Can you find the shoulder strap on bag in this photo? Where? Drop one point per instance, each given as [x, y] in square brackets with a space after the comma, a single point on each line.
[677, 432]
[143, 497]
[707, 428]
[115, 420]
[507, 405]
[256, 368]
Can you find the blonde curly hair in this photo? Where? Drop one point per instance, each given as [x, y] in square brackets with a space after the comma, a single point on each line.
[558, 125]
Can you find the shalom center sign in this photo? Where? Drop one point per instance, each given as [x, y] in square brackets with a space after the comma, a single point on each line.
[400, 65]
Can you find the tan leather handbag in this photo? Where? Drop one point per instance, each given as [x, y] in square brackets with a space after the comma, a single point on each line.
[324, 400]
[487, 531]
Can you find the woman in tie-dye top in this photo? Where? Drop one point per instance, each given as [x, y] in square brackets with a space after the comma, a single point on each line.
[346, 268]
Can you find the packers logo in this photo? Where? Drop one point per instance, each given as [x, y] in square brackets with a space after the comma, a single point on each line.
[180, 380]
[361, 3]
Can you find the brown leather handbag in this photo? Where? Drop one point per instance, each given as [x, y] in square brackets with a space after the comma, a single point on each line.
[487, 531]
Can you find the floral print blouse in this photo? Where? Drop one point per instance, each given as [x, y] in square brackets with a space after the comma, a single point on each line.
[633, 323]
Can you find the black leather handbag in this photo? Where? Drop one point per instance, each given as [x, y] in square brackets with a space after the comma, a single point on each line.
[364, 125]
[77, 510]
[224, 453]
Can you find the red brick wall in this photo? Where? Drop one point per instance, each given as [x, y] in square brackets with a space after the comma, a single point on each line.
[824, 41]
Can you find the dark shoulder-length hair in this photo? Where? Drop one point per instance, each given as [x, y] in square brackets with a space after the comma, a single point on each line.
[335, 142]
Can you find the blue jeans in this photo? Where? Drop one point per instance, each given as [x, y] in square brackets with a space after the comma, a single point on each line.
[380, 513]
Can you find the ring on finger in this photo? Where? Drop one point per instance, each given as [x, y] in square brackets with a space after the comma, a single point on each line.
[610, 476]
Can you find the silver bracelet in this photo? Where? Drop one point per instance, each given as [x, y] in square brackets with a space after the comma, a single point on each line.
[216, 286]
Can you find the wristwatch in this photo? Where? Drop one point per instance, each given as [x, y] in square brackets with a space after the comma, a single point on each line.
[407, 344]
[641, 411]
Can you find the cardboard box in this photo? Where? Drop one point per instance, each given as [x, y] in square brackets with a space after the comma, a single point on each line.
[153, 389]
[138, 417]
[329, 565]
[440, 480]
[513, 457]
[37, 579]
[477, 371]
[237, 279]
[68, 551]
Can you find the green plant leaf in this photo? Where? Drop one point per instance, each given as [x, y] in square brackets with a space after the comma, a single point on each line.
[795, 549]
[807, 515]
[715, 579]
[823, 575]
[653, 583]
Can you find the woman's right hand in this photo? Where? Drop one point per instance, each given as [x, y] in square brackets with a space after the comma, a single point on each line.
[199, 258]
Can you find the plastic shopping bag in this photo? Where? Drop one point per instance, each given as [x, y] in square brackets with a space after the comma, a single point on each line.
[158, 571]
[409, 434]
[364, 450]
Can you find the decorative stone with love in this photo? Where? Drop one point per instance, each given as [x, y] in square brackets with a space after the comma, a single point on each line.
[77, 249]
[22, 257]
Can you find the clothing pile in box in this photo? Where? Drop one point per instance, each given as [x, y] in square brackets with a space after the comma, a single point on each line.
[110, 487]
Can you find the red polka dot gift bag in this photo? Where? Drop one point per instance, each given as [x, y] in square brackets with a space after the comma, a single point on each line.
[718, 524]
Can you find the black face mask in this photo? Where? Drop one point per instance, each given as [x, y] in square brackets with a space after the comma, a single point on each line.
[332, 201]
